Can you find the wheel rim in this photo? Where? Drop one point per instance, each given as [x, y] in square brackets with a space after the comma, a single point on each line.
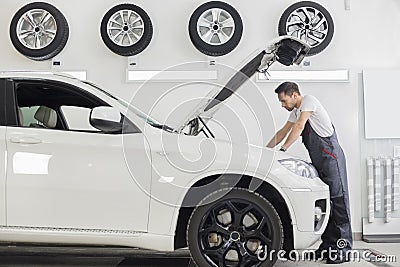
[233, 232]
[308, 24]
[125, 27]
[215, 26]
[36, 29]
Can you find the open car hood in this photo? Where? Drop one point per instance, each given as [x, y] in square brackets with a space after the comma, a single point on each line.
[287, 50]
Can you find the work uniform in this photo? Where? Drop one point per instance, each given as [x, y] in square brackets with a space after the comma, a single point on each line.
[319, 137]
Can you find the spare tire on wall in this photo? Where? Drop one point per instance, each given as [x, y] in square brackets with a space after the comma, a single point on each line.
[215, 28]
[39, 31]
[310, 22]
[126, 29]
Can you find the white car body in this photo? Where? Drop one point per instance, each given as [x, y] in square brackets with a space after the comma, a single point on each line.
[80, 187]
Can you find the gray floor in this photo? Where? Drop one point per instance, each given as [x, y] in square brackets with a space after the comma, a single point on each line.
[370, 254]
[109, 257]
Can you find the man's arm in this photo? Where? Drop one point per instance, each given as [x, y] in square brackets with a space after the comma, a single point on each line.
[280, 135]
[297, 128]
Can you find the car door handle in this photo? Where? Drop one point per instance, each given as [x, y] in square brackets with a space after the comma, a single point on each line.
[25, 140]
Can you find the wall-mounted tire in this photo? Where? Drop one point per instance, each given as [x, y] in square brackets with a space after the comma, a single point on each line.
[310, 22]
[126, 29]
[39, 31]
[215, 28]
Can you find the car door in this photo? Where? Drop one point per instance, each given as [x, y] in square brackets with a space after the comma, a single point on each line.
[67, 177]
[3, 153]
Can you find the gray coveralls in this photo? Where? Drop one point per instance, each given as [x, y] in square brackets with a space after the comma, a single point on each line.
[328, 158]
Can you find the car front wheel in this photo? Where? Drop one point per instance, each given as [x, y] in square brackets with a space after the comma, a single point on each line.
[234, 227]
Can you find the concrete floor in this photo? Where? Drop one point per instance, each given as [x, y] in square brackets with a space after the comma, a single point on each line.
[21, 255]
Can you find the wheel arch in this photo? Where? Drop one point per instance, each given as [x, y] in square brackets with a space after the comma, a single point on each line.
[219, 181]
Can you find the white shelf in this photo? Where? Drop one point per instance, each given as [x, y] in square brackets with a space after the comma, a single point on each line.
[168, 75]
[305, 76]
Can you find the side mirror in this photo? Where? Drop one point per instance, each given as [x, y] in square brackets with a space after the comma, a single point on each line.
[106, 119]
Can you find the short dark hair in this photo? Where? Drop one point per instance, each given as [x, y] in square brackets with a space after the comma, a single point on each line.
[288, 88]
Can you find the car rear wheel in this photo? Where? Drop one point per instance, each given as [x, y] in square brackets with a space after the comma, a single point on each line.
[234, 227]
[310, 22]
[39, 31]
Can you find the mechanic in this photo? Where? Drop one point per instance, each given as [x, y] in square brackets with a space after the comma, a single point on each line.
[309, 119]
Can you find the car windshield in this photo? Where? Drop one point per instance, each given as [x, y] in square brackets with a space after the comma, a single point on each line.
[131, 108]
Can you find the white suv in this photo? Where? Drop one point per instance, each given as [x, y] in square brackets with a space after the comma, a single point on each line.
[83, 167]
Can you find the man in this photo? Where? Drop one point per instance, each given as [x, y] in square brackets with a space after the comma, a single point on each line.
[309, 119]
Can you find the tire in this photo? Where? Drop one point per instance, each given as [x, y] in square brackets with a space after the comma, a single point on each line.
[215, 28]
[39, 31]
[318, 32]
[126, 29]
[231, 226]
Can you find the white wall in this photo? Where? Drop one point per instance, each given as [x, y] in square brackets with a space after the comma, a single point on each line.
[366, 36]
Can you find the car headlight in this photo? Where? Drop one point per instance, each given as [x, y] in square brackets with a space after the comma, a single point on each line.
[300, 167]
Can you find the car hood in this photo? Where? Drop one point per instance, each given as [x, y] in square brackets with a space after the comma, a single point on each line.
[287, 50]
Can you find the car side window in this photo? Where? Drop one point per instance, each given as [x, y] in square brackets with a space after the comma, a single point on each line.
[3, 101]
[56, 105]
[77, 118]
[26, 116]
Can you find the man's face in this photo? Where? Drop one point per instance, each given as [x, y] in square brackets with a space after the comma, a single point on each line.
[288, 102]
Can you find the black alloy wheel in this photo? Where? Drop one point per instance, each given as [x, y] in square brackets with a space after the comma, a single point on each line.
[238, 229]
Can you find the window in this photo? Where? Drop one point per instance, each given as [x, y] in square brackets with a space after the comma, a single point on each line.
[56, 105]
[26, 116]
[77, 118]
[3, 101]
